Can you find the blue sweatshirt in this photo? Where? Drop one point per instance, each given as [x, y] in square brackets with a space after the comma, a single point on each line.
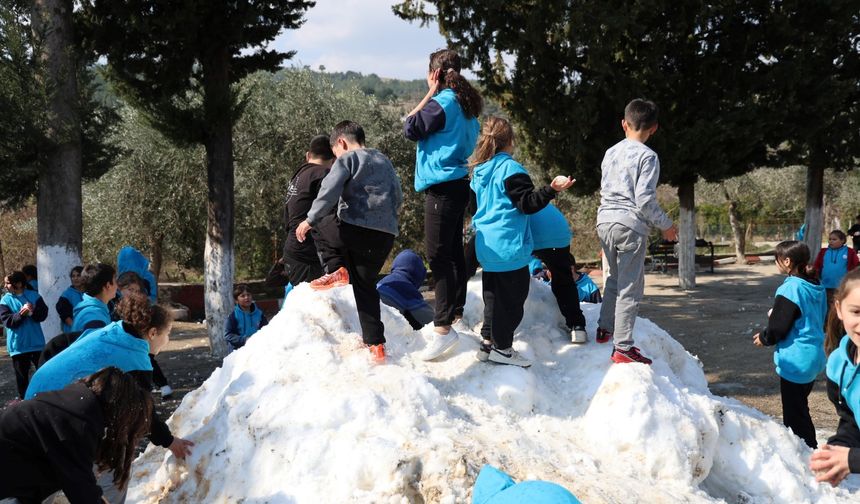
[66, 306]
[241, 325]
[108, 346]
[400, 287]
[504, 198]
[495, 487]
[550, 229]
[131, 259]
[90, 313]
[23, 334]
[834, 266]
[843, 372]
[799, 357]
[445, 144]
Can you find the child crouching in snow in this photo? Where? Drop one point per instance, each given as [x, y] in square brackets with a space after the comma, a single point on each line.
[841, 455]
[795, 326]
[245, 320]
[399, 289]
[505, 198]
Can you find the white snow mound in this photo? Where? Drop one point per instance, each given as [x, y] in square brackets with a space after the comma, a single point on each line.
[301, 414]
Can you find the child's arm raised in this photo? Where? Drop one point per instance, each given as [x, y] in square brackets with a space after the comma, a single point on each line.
[528, 199]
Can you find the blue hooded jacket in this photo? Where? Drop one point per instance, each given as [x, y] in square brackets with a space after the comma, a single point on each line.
[131, 259]
[800, 356]
[503, 241]
[843, 372]
[28, 336]
[90, 309]
[550, 229]
[400, 287]
[74, 296]
[108, 346]
[241, 325]
[443, 156]
[495, 487]
[834, 266]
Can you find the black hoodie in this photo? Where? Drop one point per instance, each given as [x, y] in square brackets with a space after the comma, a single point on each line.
[303, 189]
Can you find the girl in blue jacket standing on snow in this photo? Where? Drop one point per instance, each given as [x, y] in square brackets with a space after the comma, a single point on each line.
[445, 125]
[796, 326]
[21, 312]
[505, 197]
[245, 320]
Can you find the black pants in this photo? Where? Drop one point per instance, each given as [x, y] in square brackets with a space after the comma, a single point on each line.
[158, 377]
[329, 243]
[563, 285]
[471, 268]
[444, 207]
[365, 251]
[795, 410]
[504, 296]
[302, 271]
[22, 363]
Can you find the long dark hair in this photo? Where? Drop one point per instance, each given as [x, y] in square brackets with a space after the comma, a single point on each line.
[798, 254]
[127, 411]
[448, 63]
[834, 330]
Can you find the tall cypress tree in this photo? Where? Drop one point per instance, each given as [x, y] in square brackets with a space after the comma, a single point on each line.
[178, 63]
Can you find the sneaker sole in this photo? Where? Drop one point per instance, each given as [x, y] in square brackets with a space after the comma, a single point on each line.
[329, 286]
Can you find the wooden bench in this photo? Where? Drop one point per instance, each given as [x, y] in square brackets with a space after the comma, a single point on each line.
[664, 257]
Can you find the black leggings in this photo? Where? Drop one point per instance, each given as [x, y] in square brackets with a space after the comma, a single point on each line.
[22, 363]
[563, 285]
[795, 410]
[505, 294]
[444, 208]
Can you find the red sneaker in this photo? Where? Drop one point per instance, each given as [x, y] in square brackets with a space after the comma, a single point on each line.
[626, 356]
[378, 353]
[337, 279]
[603, 336]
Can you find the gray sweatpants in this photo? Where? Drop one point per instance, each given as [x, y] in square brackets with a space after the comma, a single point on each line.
[624, 283]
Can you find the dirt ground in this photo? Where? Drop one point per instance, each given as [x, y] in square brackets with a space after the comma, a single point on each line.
[714, 321]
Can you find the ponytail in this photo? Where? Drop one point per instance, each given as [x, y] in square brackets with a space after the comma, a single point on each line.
[449, 65]
[136, 311]
[496, 134]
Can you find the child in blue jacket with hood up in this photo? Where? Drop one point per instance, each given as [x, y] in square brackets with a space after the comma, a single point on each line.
[505, 197]
[399, 289]
[21, 312]
[245, 320]
[796, 326]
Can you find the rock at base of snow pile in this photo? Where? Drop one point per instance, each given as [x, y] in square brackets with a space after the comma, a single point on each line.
[301, 414]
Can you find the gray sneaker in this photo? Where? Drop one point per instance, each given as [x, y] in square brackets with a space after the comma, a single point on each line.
[508, 356]
[578, 335]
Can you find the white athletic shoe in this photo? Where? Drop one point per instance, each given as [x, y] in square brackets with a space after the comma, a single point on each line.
[483, 353]
[440, 344]
[578, 335]
[166, 391]
[508, 356]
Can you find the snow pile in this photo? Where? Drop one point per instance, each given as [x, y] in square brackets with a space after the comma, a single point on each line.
[300, 414]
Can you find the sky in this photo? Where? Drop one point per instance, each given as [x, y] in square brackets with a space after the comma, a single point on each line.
[361, 35]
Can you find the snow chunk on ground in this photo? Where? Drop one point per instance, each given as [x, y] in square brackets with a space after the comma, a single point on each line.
[301, 414]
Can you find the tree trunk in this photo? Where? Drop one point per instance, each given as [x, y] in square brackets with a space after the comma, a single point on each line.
[737, 228]
[58, 214]
[687, 236]
[156, 254]
[814, 203]
[2, 260]
[218, 258]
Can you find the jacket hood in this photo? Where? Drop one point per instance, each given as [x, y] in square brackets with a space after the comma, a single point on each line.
[409, 266]
[483, 173]
[88, 303]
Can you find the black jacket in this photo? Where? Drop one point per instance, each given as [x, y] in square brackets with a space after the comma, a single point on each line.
[49, 443]
[303, 189]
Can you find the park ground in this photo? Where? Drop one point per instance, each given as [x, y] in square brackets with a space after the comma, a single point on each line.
[715, 321]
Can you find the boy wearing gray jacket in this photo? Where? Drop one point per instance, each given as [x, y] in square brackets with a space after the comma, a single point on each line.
[628, 208]
[354, 242]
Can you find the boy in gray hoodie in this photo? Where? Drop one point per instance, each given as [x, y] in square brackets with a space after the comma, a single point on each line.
[354, 242]
[628, 208]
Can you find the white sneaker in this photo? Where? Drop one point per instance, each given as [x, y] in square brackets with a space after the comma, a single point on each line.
[166, 391]
[483, 353]
[578, 335]
[440, 344]
[509, 356]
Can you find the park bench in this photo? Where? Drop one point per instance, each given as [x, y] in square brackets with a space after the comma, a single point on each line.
[664, 257]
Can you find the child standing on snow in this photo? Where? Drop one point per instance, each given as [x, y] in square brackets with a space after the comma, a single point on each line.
[628, 208]
[245, 320]
[841, 455]
[445, 125]
[795, 325]
[505, 197]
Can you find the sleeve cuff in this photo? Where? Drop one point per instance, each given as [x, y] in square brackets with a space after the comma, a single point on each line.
[854, 460]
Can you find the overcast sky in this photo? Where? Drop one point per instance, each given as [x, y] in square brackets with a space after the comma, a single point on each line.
[363, 36]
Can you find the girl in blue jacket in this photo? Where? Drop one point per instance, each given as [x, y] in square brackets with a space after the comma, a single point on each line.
[445, 125]
[21, 312]
[505, 197]
[70, 298]
[245, 320]
[841, 455]
[796, 326]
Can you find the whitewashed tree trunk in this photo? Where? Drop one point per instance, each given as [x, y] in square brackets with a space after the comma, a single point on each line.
[814, 207]
[58, 214]
[687, 236]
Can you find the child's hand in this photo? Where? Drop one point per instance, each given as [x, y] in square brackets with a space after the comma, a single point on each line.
[25, 310]
[830, 464]
[561, 183]
[302, 231]
[757, 340]
[181, 448]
